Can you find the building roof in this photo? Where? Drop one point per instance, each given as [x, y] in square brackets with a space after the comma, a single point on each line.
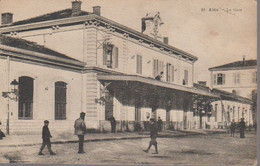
[31, 46]
[65, 17]
[237, 64]
[50, 16]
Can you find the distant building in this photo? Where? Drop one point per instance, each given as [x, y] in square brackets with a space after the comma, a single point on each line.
[237, 79]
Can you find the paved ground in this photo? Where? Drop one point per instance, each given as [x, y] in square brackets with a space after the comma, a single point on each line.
[213, 149]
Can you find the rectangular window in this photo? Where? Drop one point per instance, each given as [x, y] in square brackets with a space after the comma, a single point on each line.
[236, 78]
[186, 76]
[110, 56]
[60, 100]
[220, 79]
[139, 64]
[254, 77]
[157, 67]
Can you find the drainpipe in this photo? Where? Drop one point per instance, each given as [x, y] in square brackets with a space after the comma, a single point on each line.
[8, 100]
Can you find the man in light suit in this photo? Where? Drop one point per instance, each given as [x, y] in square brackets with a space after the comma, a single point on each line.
[80, 130]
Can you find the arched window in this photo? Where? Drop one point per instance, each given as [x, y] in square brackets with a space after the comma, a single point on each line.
[60, 100]
[25, 105]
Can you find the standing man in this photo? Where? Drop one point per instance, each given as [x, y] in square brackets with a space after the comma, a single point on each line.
[153, 135]
[242, 126]
[232, 128]
[80, 130]
[113, 124]
[46, 136]
[160, 123]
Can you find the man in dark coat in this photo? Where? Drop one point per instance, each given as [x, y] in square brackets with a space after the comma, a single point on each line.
[46, 135]
[1, 133]
[232, 128]
[159, 77]
[153, 135]
[242, 127]
[80, 130]
[113, 124]
[160, 124]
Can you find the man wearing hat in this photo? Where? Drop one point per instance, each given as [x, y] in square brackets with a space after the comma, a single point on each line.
[153, 135]
[80, 130]
[46, 135]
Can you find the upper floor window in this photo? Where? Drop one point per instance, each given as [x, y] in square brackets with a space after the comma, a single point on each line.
[186, 77]
[236, 78]
[219, 79]
[110, 56]
[60, 100]
[157, 67]
[254, 77]
[169, 73]
[139, 64]
[25, 105]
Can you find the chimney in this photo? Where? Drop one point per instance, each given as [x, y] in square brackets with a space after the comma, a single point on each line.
[96, 10]
[244, 59]
[165, 40]
[76, 7]
[7, 18]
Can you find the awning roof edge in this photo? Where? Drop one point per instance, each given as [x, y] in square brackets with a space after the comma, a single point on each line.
[152, 81]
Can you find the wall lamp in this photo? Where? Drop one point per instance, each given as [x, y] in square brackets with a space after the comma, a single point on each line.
[13, 95]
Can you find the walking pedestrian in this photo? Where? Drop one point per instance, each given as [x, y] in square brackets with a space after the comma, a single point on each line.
[46, 135]
[160, 123]
[153, 135]
[242, 126]
[232, 128]
[80, 130]
[1, 133]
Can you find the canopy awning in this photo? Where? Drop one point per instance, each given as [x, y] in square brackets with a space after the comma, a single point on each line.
[152, 81]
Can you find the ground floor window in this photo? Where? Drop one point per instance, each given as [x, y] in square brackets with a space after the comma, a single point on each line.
[60, 100]
[25, 103]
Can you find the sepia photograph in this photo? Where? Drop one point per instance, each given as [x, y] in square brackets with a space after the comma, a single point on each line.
[120, 82]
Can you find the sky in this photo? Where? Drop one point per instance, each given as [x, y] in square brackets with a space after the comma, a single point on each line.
[223, 35]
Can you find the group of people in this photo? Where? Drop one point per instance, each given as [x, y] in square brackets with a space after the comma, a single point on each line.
[241, 126]
[80, 131]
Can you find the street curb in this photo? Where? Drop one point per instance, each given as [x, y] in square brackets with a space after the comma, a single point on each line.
[114, 138]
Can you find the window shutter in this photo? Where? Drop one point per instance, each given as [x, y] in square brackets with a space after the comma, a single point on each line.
[172, 73]
[155, 67]
[139, 64]
[223, 79]
[114, 57]
[104, 54]
[215, 79]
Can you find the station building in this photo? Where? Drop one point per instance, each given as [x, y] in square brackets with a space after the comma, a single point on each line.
[73, 61]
